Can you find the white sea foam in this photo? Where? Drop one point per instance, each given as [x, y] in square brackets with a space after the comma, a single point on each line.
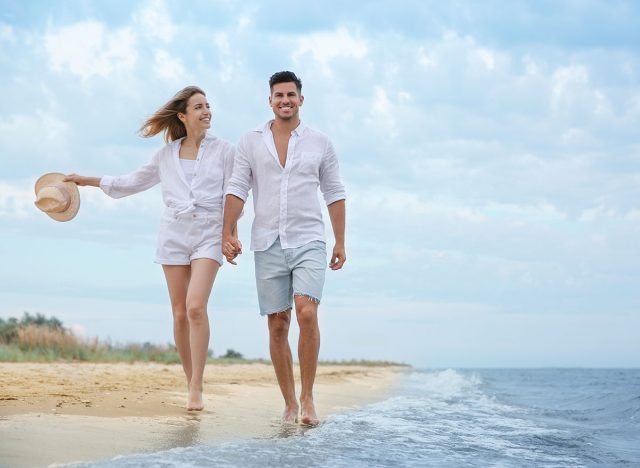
[440, 418]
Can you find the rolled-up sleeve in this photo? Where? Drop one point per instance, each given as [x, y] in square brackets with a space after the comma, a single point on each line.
[331, 185]
[142, 179]
[240, 181]
[229, 159]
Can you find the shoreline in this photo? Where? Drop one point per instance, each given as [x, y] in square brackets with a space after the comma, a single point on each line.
[95, 411]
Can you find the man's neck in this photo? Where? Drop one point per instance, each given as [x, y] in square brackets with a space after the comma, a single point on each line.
[282, 126]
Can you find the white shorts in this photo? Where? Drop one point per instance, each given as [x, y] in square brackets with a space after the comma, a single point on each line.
[184, 238]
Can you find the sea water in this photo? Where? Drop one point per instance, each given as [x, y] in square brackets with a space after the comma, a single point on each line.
[532, 417]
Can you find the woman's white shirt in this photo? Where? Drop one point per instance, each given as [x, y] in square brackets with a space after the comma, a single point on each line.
[212, 170]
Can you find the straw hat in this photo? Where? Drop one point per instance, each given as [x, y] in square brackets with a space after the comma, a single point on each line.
[60, 200]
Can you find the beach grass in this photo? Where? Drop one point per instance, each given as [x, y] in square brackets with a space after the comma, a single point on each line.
[36, 338]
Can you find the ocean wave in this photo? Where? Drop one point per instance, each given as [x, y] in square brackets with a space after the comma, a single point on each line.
[452, 418]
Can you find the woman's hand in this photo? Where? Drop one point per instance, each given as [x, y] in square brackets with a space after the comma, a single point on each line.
[231, 248]
[82, 180]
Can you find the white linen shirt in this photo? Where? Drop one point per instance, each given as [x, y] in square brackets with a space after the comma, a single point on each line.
[213, 168]
[285, 199]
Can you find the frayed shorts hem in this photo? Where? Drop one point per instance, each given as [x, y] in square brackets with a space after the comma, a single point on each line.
[311, 297]
[289, 307]
[276, 311]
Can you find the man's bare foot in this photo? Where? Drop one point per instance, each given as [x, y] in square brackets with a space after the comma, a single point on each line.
[194, 401]
[290, 415]
[309, 417]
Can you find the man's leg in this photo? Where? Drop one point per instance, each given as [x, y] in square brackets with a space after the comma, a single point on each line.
[308, 349]
[203, 273]
[177, 277]
[273, 282]
[283, 362]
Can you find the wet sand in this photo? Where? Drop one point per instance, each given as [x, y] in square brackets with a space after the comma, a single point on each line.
[64, 412]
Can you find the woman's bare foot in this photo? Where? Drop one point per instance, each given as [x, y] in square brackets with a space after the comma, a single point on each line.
[194, 401]
[290, 414]
[309, 417]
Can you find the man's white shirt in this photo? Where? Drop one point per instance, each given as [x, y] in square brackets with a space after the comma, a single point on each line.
[285, 199]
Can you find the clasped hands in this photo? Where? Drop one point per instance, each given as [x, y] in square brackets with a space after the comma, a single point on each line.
[231, 248]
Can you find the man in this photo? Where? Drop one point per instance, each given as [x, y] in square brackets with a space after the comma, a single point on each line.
[285, 162]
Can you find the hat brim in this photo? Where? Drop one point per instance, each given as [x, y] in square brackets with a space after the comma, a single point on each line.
[55, 178]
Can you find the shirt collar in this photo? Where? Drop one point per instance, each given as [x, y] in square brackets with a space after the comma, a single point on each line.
[299, 130]
[207, 137]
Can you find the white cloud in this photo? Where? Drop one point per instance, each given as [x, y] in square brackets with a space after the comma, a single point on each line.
[168, 67]
[485, 57]
[244, 21]
[381, 114]
[7, 33]
[577, 136]
[324, 47]
[597, 213]
[531, 65]
[634, 104]
[221, 40]
[404, 97]
[154, 20]
[632, 215]
[425, 59]
[537, 212]
[602, 106]
[453, 52]
[16, 199]
[414, 205]
[227, 66]
[41, 132]
[89, 49]
[572, 94]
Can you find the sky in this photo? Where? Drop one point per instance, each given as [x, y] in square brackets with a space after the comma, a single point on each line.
[490, 151]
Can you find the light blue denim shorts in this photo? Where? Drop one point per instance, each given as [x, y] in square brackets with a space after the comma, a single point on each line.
[284, 273]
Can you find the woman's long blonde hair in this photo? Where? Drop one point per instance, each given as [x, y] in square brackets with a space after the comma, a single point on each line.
[166, 118]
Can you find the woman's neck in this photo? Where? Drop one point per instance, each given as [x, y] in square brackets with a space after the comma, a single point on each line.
[193, 139]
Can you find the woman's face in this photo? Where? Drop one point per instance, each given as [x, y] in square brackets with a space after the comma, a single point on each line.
[197, 116]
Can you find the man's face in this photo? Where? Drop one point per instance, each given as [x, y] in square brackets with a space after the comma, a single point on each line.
[285, 100]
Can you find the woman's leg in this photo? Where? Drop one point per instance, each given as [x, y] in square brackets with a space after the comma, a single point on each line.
[203, 273]
[177, 277]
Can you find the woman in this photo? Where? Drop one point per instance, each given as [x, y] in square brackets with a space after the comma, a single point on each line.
[193, 169]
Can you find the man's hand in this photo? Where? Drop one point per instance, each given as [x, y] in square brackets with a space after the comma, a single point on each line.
[231, 248]
[338, 257]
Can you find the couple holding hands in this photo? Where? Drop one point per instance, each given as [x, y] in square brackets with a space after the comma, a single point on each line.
[205, 184]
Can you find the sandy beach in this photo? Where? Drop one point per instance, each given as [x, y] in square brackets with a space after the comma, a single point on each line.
[64, 412]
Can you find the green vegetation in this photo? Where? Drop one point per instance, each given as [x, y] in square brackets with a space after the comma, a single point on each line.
[231, 354]
[36, 338]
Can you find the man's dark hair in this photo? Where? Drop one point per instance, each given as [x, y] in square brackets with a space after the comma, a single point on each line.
[285, 77]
